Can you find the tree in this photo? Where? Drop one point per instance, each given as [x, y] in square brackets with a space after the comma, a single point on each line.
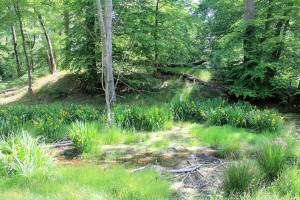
[24, 47]
[52, 59]
[15, 44]
[106, 30]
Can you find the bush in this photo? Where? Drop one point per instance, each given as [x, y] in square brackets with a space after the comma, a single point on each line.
[272, 159]
[238, 178]
[83, 135]
[25, 156]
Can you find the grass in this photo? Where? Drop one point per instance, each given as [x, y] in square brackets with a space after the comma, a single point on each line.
[161, 143]
[239, 178]
[83, 136]
[23, 80]
[288, 182]
[25, 156]
[90, 182]
[230, 141]
[272, 159]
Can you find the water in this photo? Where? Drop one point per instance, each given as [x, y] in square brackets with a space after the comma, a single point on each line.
[292, 122]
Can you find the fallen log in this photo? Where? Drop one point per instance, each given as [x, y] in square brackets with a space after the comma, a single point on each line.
[200, 62]
[184, 75]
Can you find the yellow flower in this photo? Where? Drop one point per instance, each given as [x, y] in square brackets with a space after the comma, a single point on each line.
[296, 133]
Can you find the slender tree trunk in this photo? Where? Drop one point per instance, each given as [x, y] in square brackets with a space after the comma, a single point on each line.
[53, 64]
[15, 44]
[249, 39]
[67, 33]
[156, 37]
[24, 47]
[108, 27]
[49, 61]
[105, 26]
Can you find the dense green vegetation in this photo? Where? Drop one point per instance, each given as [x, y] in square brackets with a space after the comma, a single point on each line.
[149, 99]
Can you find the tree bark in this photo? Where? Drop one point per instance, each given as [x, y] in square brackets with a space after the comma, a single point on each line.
[49, 61]
[105, 27]
[24, 47]
[249, 49]
[52, 59]
[67, 32]
[15, 44]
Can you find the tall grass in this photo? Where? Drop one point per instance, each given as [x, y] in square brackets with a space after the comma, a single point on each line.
[25, 156]
[239, 178]
[272, 159]
[84, 136]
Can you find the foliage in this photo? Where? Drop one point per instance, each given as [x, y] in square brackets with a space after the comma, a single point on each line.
[272, 159]
[141, 117]
[220, 112]
[25, 156]
[84, 136]
[246, 116]
[47, 119]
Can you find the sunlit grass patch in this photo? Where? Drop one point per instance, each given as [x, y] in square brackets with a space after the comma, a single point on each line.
[203, 74]
[230, 141]
[288, 183]
[90, 182]
[160, 143]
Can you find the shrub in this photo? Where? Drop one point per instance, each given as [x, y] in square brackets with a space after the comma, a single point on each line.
[83, 135]
[272, 159]
[238, 178]
[25, 156]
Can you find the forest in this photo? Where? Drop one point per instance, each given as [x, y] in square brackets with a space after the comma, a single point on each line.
[149, 99]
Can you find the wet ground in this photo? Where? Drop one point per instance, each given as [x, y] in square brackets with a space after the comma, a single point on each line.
[197, 168]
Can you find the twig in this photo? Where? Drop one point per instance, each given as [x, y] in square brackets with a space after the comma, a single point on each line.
[138, 169]
[187, 169]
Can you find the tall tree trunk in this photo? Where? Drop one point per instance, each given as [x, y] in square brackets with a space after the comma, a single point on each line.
[15, 44]
[90, 44]
[24, 47]
[67, 33]
[53, 64]
[156, 36]
[105, 27]
[249, 38]
[49, 61]
[109, 65]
